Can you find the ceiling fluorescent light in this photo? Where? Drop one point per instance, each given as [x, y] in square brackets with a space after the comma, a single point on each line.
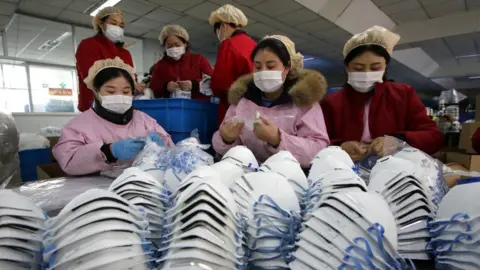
[63, 36]
[474, 77]
[308, 59]
[99, 5]
[467, 56]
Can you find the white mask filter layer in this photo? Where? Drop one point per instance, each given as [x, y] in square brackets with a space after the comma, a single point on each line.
[176, 52]
[117, 103]
[114, 33]
[364, 82]
[268, 81]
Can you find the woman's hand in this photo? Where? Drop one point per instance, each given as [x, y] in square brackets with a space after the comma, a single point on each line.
[126, 149]
[230, 131]
[156, 138]
[267, 131]
[383, 146]
[173, 86]
[140, 87]
[355, 150]
[186, 85]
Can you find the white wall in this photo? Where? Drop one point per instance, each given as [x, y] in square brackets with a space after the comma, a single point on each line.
[33, 122]
[152, 51]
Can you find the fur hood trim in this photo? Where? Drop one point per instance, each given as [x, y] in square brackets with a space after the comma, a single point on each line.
[310, 88]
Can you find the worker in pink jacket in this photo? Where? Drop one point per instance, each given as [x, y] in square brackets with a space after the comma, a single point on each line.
[110, 132]
[276, 108]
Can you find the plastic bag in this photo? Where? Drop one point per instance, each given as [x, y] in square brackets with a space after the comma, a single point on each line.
[9, 146]
[53, 194]
[147, 94]
[153, 159]
[249, 122]
[428, 169]
[115, 171]
[205, 86]
[50, 131]
[452, 96]
[184, 158]
[181, 94]
[30, 141]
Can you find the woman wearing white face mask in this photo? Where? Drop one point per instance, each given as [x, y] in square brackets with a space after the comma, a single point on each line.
[286, 99]
[106, 44]
[370, 107]
[108, 132]
[179, 69]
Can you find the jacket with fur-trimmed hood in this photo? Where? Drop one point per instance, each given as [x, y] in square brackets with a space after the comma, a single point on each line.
[296, 113]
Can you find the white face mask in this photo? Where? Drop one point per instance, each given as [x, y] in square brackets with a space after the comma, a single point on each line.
[176, 52]
[116, 103]
[268, 81]
[364, 82]
[114, 33]
[219, 34]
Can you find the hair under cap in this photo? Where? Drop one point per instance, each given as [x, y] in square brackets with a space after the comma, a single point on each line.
[295, 57]
[375, 35]
[228, 14]
[173, 30]
[97, 19]
[100, 65]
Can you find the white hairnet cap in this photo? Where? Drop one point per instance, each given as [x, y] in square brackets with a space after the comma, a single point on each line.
[228, 14]
[173, 30]
[100, 65]
[375, 35]
[295, 57]
[97, 19]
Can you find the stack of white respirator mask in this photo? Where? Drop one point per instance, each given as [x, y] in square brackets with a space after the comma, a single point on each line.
[410, 201]
[98, 229]
[202, 229]
[21, 230]
[144, 192]
[349, 230]
[332, 171]
[455, 231]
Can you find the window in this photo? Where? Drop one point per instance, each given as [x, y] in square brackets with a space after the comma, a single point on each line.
[1, 44]
[14, 88]
[53, 89]
[44, 50]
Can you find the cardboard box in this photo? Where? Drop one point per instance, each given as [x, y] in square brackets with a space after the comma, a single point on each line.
[471, 162]
[48, 171]
[468, 129]
[53, 142]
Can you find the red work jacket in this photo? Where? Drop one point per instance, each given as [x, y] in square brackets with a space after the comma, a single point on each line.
[90, 50]
[395, 110]
[188, 68]
[233, 61]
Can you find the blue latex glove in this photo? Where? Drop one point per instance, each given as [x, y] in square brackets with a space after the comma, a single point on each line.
[156, 138]
[127, 149]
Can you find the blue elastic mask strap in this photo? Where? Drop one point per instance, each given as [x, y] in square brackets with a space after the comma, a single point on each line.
[358, 265]
[379, 231]
[437, 228]
[440, 243]
[364, 254]
[271, 204]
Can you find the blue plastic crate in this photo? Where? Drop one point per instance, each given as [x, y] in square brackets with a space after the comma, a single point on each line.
[30, 159]
[179, 117]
